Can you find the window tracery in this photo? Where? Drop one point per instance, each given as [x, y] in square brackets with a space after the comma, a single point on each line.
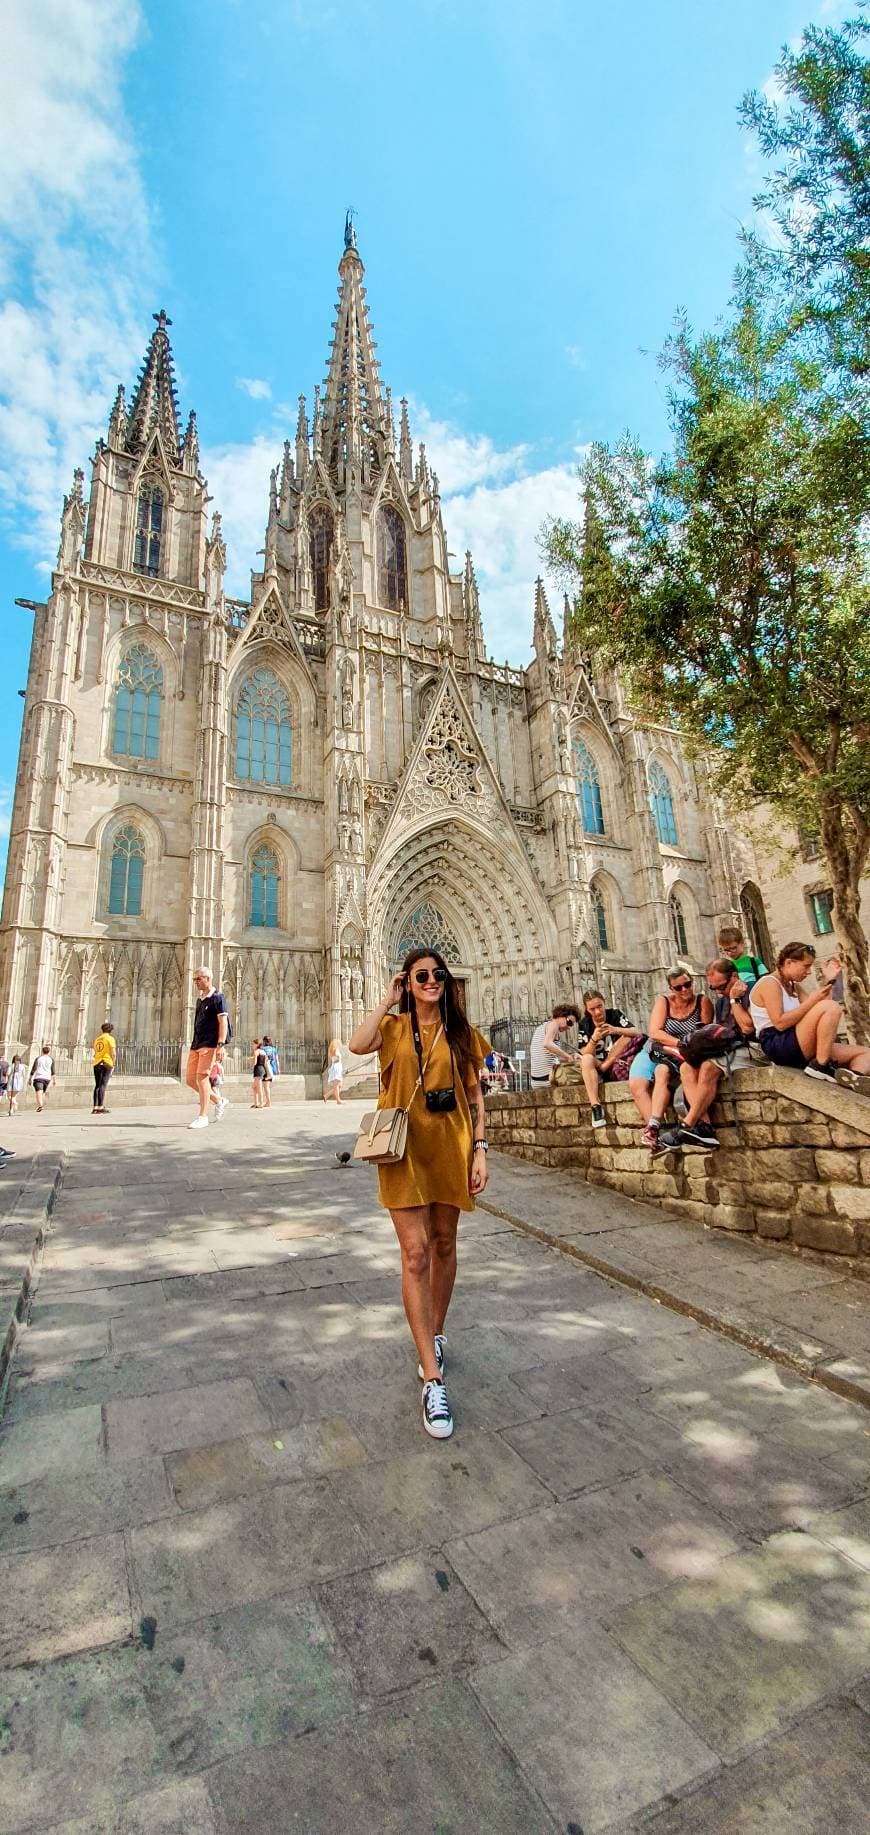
[320, 540]
[588, 790]
[138, 696]
[392, 560]
[126, 873]
[427, 928]
[149, 531]
[662, 805]
[264, 733]
[265, 889]
[678, 924]
[600, 914]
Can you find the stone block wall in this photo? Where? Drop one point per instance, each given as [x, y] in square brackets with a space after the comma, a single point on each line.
[793, 1163]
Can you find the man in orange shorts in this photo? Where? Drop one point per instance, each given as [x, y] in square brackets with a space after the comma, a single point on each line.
[210, 1023]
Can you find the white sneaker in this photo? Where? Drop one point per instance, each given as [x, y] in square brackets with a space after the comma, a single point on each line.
[437, 1419]
[199, 1121]
[440, 1342]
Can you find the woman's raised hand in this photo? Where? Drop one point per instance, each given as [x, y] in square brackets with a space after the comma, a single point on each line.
[395, 990]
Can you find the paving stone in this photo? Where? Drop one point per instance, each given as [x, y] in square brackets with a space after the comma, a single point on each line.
[84, 1384]
[592, 1734]
[57, 1600]
[77, 1741]
[534, 1576]
[234, 1284]
[758, 1640]
[847, 1530]
[65, 1507]
[403, 1504]
[203, 1561]
[69, 1440]
[592, 1379]
[814, 1777]
[766, 1400]
[196, 1416]
[182, 1808]
[426, 1762]
[570, 1451]
[234, 1468]
[407, 1621]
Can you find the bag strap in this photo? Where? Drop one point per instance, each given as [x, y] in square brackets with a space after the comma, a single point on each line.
[423, 1068]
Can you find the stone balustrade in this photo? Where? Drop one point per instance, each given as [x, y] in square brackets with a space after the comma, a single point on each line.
[793, 1163]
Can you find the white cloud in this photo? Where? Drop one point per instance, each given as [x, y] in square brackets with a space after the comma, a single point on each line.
[460, 459]
[76, 249]
[238, 482]
[501, 525]
[256, 387]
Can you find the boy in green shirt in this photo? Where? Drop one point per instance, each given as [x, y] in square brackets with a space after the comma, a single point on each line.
[732, 943]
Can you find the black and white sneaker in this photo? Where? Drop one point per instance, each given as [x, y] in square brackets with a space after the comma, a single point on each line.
[856, 1080]
[440, 1342]
[668, 1141]
[599, 1119]
[700, 1134]
[826, 1073]
[437, 1419]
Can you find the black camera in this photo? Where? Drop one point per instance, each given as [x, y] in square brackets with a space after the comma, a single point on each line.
[440, 1102]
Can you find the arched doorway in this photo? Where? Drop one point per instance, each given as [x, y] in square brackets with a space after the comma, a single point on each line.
[755, 924]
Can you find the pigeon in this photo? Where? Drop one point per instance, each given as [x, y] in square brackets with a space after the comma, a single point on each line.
[342, 1158]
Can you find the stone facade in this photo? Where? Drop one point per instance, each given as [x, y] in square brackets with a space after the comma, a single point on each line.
[793, 1163]
[296, 786]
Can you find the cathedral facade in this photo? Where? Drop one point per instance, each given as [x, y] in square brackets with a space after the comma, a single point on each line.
[297, 787]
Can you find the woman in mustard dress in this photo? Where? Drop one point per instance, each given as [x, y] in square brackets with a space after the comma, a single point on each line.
[430, 1062]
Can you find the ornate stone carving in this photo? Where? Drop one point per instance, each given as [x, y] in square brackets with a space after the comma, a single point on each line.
[426, 928]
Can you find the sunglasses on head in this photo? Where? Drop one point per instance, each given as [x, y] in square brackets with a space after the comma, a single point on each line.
[422, 975]
[680, 987]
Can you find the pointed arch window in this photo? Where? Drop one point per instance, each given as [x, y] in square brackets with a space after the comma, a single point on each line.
[588, 790]
[392, 560]
[265, 889]
[427, 928]
[149, 530]
[599, 911]
[678, 924]
[661, 803]
[138, 697]
[264, 733]
[320, 531]
[126, 873]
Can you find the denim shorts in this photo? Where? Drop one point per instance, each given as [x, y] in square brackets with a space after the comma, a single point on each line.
[643, 1066]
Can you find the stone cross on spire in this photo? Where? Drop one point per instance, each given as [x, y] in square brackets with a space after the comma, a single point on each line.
[353, 415]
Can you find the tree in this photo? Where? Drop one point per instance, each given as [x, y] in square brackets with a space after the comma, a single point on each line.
[816, 127]
[734, 600]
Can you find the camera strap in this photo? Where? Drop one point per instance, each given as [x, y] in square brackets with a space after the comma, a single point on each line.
[418, 1047]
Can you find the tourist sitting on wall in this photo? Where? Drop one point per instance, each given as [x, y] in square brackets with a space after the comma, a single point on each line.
[655, 1072]
[545, 1052]
[606, 1036]
[701, 1080]
[496, 1072]
[732, 943]
[801, 1032]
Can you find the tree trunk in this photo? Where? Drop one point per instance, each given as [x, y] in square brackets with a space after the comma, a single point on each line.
[846, 870]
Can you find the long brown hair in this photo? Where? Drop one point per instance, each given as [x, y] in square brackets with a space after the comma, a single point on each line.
[450, 1007]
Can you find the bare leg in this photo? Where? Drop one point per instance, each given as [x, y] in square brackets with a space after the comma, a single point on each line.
[816, 1033]
[589, 1071]
[338, 1095]
[856, 1056]
[411, 1228]
[641, 1097]
[700, 1086]
[443, 1219]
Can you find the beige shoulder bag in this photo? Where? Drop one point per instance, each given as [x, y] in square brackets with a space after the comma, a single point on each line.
[383, 1136]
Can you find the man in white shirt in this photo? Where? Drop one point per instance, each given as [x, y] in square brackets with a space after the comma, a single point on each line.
[545, 1051]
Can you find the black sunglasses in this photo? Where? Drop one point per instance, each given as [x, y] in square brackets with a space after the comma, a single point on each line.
[680, 987]
[422, 975]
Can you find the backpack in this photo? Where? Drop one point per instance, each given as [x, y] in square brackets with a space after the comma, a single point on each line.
[713, 1041]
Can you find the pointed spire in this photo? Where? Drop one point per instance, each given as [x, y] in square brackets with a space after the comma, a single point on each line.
[190, 452]
[423, 468]
[353, 411]
[155, 402]
[406, 450]
[302, 439]
[389, 425]
[118, 419]
[544, 638]
[215, 563]
[471, 608]
[72, 525]
[285, 483]
[271, 565]
[317, 424]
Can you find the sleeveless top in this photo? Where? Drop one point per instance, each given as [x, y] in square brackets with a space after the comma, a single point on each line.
[759, 1015]
[683, 1028]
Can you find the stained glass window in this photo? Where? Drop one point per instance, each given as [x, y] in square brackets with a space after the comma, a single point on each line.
[126, 873]
[392, 560]
[588, 790]
[320, 526]
[662, 805]
[678, 925]
[149, 531]
[136, 729]
[265, 887]
[264, 735]
[599, 907]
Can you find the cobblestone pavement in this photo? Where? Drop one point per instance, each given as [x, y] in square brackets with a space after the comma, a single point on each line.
[242, 1591]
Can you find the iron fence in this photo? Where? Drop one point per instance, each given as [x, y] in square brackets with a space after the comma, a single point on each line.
[514, 1038]
[167, 1058]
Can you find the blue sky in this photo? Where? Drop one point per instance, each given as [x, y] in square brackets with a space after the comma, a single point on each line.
[538, 189]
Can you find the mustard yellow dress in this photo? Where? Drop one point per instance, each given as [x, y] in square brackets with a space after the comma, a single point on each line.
[437, 1163]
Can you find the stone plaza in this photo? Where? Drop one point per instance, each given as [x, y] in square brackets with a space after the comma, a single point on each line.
[244, 1593]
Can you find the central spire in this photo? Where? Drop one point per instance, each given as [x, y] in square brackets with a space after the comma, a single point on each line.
[353, 413]
[155, 403]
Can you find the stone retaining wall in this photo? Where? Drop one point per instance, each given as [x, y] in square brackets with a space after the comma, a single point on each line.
[793, 1163]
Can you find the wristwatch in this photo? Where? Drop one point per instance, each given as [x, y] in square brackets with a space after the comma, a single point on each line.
[483, 1144]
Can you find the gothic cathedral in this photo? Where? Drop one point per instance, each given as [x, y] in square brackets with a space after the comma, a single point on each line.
[296, 788]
